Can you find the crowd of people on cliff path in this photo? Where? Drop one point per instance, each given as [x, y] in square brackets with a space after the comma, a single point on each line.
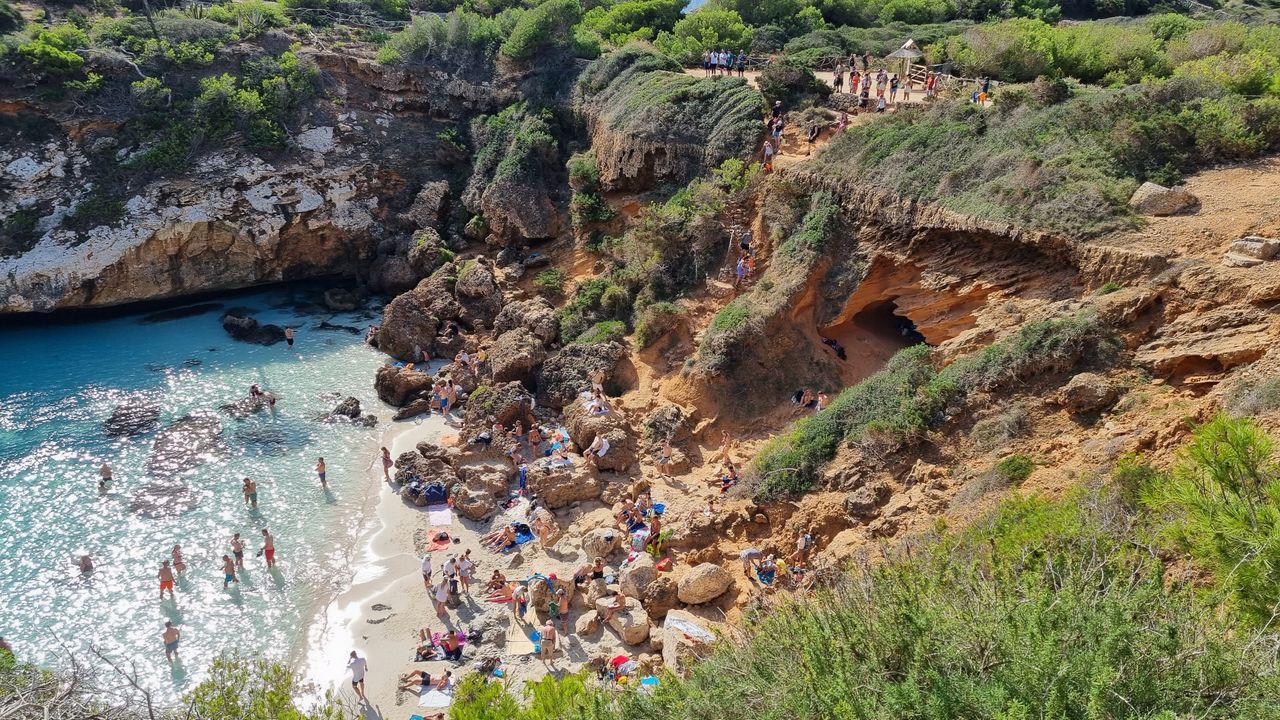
[723, 62]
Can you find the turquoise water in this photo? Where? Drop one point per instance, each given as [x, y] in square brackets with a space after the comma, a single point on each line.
[59, 382]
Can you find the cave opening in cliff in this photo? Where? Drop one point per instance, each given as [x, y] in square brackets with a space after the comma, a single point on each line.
[869, 338]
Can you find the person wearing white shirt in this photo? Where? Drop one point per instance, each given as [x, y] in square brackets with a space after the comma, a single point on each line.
[358, 667]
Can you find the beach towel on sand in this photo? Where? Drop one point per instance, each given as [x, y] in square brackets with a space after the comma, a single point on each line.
[434, 698]
[439, 541]
[440, 515]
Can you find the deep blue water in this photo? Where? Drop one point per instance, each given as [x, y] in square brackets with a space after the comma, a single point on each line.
[59, 383]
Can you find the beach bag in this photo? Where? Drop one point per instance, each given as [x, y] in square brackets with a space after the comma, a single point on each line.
[435, 493]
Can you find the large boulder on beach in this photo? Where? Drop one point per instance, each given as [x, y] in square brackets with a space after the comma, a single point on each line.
[685, 638]
[477, 293]
[564, 375]
[601, 542]
[473, 503]
[660, 596]
[637, 575]
[560, 487]
[541, 590]
[1158, 200]
[184, 445]
[412, 319]
[703, 583]
[398, 385]
[132, 419]
[631, 623]
[515, 355]
[246, 329]
[349, 407]
[411, 465]
[584, 426]
[596, 589]
[668, 422]
[535, 315]
[429, 206]
[460, 375]
[504, 403]
[493, 478]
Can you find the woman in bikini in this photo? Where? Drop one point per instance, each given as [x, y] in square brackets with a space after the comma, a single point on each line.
[387, 464]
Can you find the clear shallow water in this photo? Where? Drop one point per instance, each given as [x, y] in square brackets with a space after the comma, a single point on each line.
[59, 382]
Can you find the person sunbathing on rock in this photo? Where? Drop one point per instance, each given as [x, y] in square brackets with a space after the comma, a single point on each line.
[619, 603]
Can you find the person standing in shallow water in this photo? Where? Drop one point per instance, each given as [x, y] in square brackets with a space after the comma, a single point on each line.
[268, 548]
[170, 637]
[237, 549]
[228, 571]
[166, 579]
[288, 335]
[250, 489]
[387, 464]
[320, 472]
[105, 480]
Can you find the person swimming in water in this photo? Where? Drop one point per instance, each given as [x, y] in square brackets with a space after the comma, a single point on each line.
[105, 480]
[288, 335]
[86, 565]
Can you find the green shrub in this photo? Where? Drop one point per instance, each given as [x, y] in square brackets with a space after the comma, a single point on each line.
[908, 396]
[249, 17]
[594, 301]
[99, 207]
[1133, 477]
[793, 84]
[543, 29]
[734, 175]
[656, 320]
[1109, 287]
[459, 36]
[630, 20]
[601, 332]
[709, 28]
[1045, 609]
[551, 281]
[584, 176]
[1015, 468]
[52, 50]
[819, 224]
[11, 19]
[1223, 507]
[1029, 165]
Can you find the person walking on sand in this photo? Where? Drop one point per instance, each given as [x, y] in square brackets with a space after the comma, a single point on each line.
[237, 550]
[320, 472]
[228, 572]
[426, 571]
[466, 568]
[548, 643]
[105, 479]
[387, 463]
[268, 550]
[166, 579]
[562, 605]
[170, 637]
[288, 335]
[519, 602]
[250, 490]
[179, 566]
[358, 667]
[441, 596]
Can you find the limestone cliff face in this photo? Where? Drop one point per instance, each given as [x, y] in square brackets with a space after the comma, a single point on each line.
[650, 124]
[889, 272]
[339, 201]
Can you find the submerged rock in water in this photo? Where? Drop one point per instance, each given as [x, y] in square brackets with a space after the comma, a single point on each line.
[163, 499]
[243, 408]
[249, 330]
[132, 419]
[179, 313]
[184, 445]
[326, 325]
